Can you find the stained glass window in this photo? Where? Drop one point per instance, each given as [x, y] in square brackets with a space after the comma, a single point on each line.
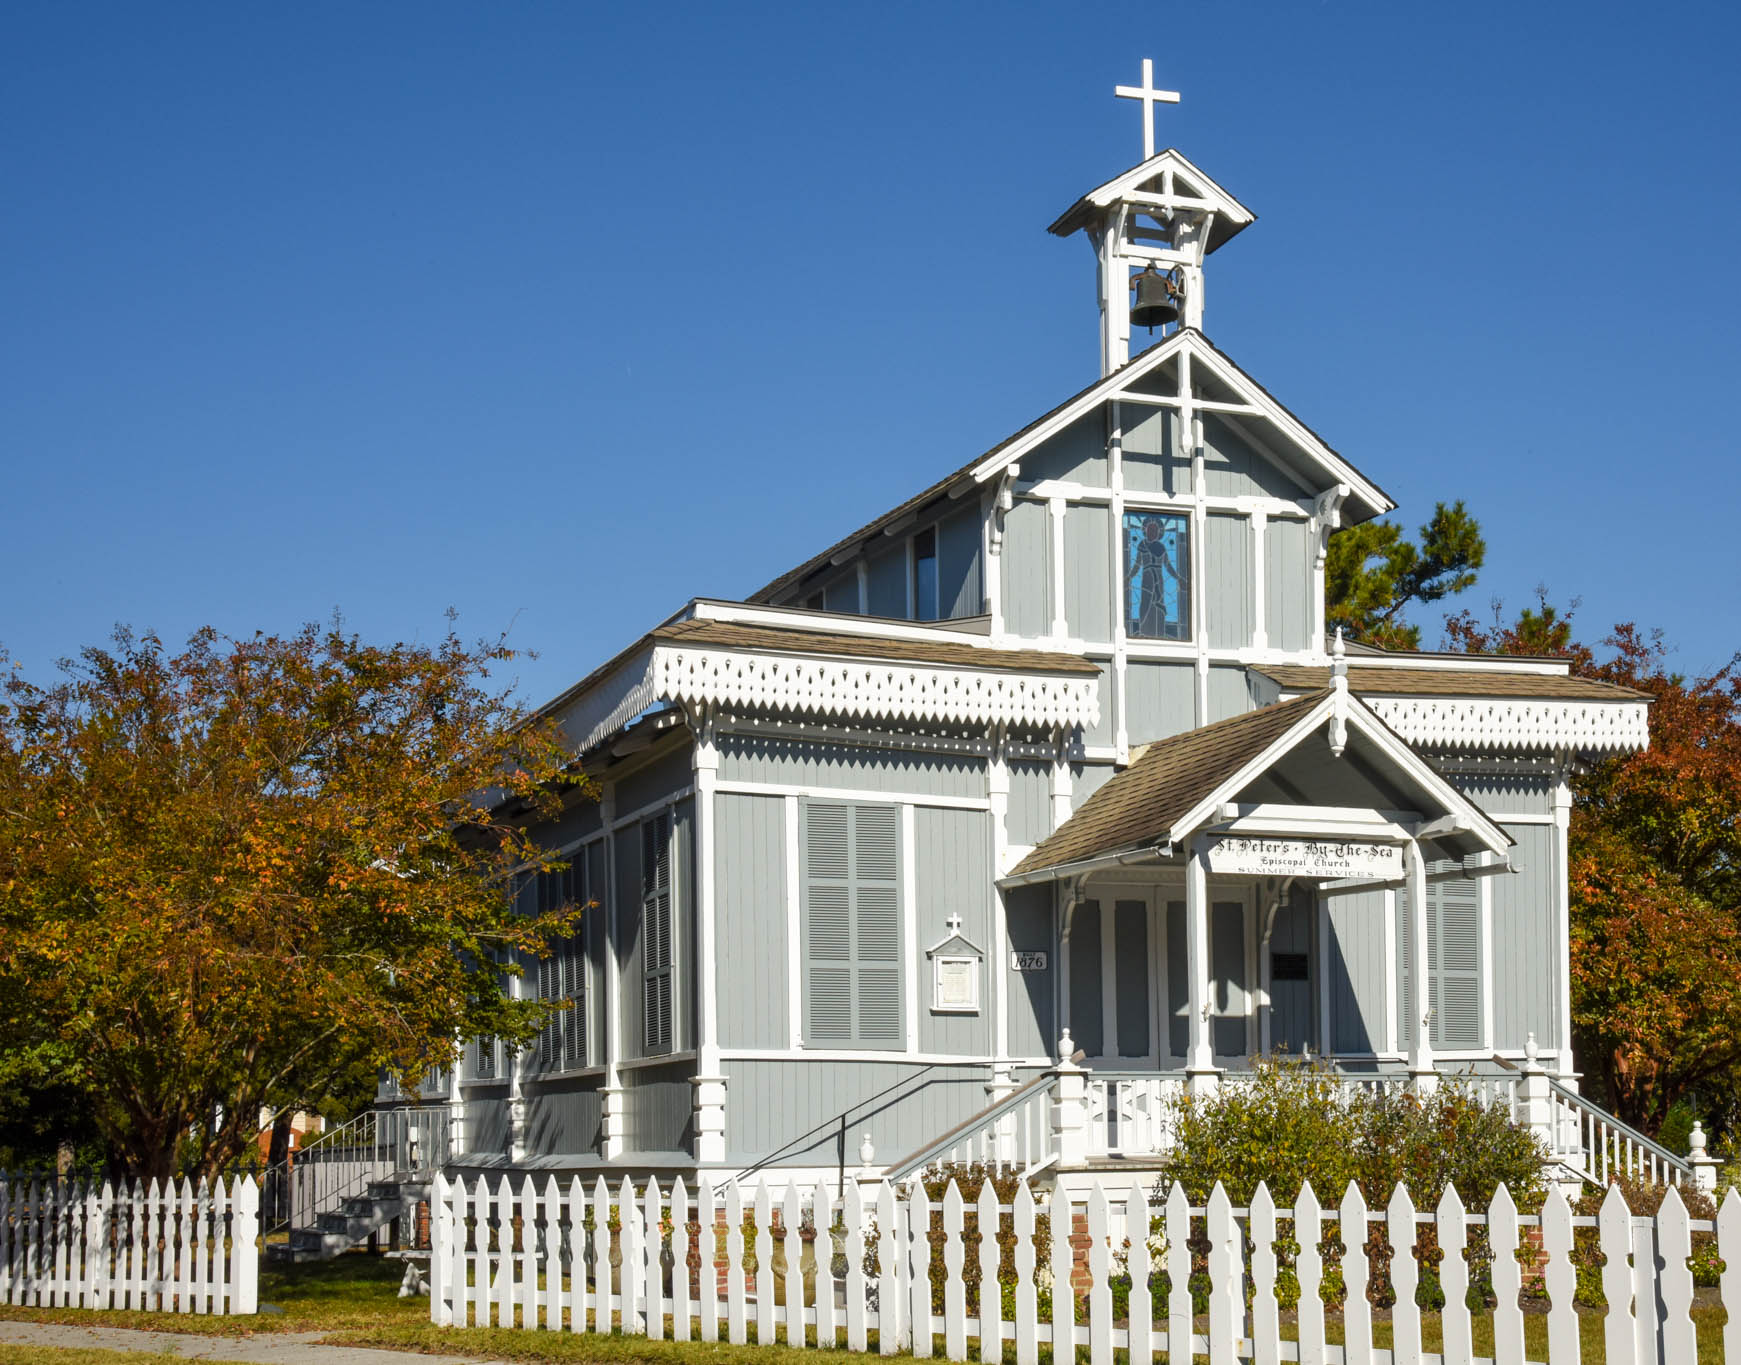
[1157, 576]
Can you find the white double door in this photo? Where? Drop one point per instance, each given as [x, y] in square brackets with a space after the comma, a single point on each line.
[1129, 977]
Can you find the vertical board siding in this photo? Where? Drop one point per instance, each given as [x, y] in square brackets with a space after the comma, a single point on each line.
[686, 1001]
[1151, 460]
[952, 876]
[1355, 969]
[628, 1024]
[1027, 569]
[773, 1102]
[960, 579]
[1101, 732]
[1229, 694]
[1294, 1004]
[856, 767]
[1287, 584]
[1160, 699]
[1033, 1028]
[750, 917]
[563, 1117]
[660, 1102]
[1526, 944]
[1088, 590]
[886, 584]
[1076, 454]
[1499, 795]
[1030, 807]
[842, 594]
[486, 1122]
[1085, 780]
[1229, 599]
[1234, 468]
[1087, 1020]
[658, 780]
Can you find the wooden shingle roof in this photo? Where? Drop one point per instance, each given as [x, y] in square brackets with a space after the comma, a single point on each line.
[1450, 682]
[735, 635]
[1140, 805]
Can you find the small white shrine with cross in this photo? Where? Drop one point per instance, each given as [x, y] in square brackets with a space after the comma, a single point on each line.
[1047, 774]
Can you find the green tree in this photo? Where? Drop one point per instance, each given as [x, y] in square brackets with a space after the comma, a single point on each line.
[232, 876]
[1373, 573]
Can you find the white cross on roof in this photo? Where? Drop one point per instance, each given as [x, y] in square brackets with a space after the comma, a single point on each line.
[953, 924]
[1150, 97]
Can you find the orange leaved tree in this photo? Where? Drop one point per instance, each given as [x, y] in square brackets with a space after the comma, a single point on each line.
[233, 874]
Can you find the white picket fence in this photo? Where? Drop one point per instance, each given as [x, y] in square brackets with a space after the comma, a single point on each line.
[664, 1264]
[158, 1247]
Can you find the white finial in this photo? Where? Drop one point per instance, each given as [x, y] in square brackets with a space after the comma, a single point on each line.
[1696, 1140]
[1338, 656]
[1339, 696]
[1150, 97]
[866, 1152]
[1531, 1053]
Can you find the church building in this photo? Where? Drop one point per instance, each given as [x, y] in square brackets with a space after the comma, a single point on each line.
[1052, 759]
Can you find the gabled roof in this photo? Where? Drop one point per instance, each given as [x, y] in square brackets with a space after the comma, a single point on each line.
[984, 467]
[1231, 216]
[1177, 783]
[1450, 682]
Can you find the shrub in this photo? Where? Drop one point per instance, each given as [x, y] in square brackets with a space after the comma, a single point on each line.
[1645, 1200]
[970, 1179]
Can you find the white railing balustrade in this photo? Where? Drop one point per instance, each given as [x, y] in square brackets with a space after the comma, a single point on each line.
[812, 1270]
[162, 1248]
[1602, 1148]
[1130, 1113]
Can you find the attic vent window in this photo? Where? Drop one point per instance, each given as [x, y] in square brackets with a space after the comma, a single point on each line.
[925, 575]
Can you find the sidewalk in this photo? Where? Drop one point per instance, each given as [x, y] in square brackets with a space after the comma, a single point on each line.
[268, 1348]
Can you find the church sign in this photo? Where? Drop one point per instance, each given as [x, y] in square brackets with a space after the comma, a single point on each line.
[1237, 855]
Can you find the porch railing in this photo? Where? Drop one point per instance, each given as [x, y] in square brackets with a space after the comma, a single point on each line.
[1599, 1147]
[1013, 1132]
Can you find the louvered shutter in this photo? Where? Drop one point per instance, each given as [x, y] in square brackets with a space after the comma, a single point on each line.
[828, 965]
[852, 924]
[877, 924]
[1407, 1020]
[1454, 962]
[656, 933]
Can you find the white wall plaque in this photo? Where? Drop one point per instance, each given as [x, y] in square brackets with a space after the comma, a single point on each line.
[955, 985]
[1239, 856]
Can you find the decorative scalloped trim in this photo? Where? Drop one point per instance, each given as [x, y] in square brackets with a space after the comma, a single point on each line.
[1514, 723]
[874, 690]
[613, 704]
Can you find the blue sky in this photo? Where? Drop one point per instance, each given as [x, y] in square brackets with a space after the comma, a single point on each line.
[563, 314]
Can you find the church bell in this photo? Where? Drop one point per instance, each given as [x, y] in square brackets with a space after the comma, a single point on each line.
[1156, 301]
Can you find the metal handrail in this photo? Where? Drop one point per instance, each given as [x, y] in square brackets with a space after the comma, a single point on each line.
[379, 1144]
[838, 1122]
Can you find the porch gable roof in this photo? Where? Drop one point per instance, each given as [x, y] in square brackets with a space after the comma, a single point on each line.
[1176, 784]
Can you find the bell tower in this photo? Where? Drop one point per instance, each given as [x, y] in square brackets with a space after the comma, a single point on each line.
[1151, 229]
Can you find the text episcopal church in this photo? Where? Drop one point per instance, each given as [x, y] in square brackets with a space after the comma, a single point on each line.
[1053, 757]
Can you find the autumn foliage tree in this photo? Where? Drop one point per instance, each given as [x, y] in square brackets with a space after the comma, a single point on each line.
[1655, 875]
[232, 875]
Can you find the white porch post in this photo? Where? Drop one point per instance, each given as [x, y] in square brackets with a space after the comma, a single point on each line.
[1200, 1052]
[709, 1082]
[1421, 1070]
[613, 1127]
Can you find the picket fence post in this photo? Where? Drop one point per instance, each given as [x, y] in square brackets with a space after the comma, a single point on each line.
[1561, 1279]
[1405, 1316]
[1614, 1228]
[1356, 1272]
[1454, 1279]
[1027, 1294]
[1507, 1278]
[1178, 1235]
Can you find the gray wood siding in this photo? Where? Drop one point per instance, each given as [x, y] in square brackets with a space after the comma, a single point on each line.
[1287, 584]
[1088, 591]
[685, 998]
[1294, 1004]
[659, 1102]
[1526, 946]
[858, 767]
[1030, 810]
[1229, 602]
[1130, 957]
[1085, 780]
[1101, 732]
[1233, 468]
[770, 1103]
[1355, 968]
[1033, 1028]
[1523, 793]
[960, 580]
[626, 940]
[952, 876]
[1078, 453]
[842, 594]
[1151, 462]
[656, 781]
[1160, 699]
[886, 584]
[563, 1118]
[486, 1124]
[1228, 694]
[575, 823]
[1087, 1008]
[1027, 572]
[750, 905]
